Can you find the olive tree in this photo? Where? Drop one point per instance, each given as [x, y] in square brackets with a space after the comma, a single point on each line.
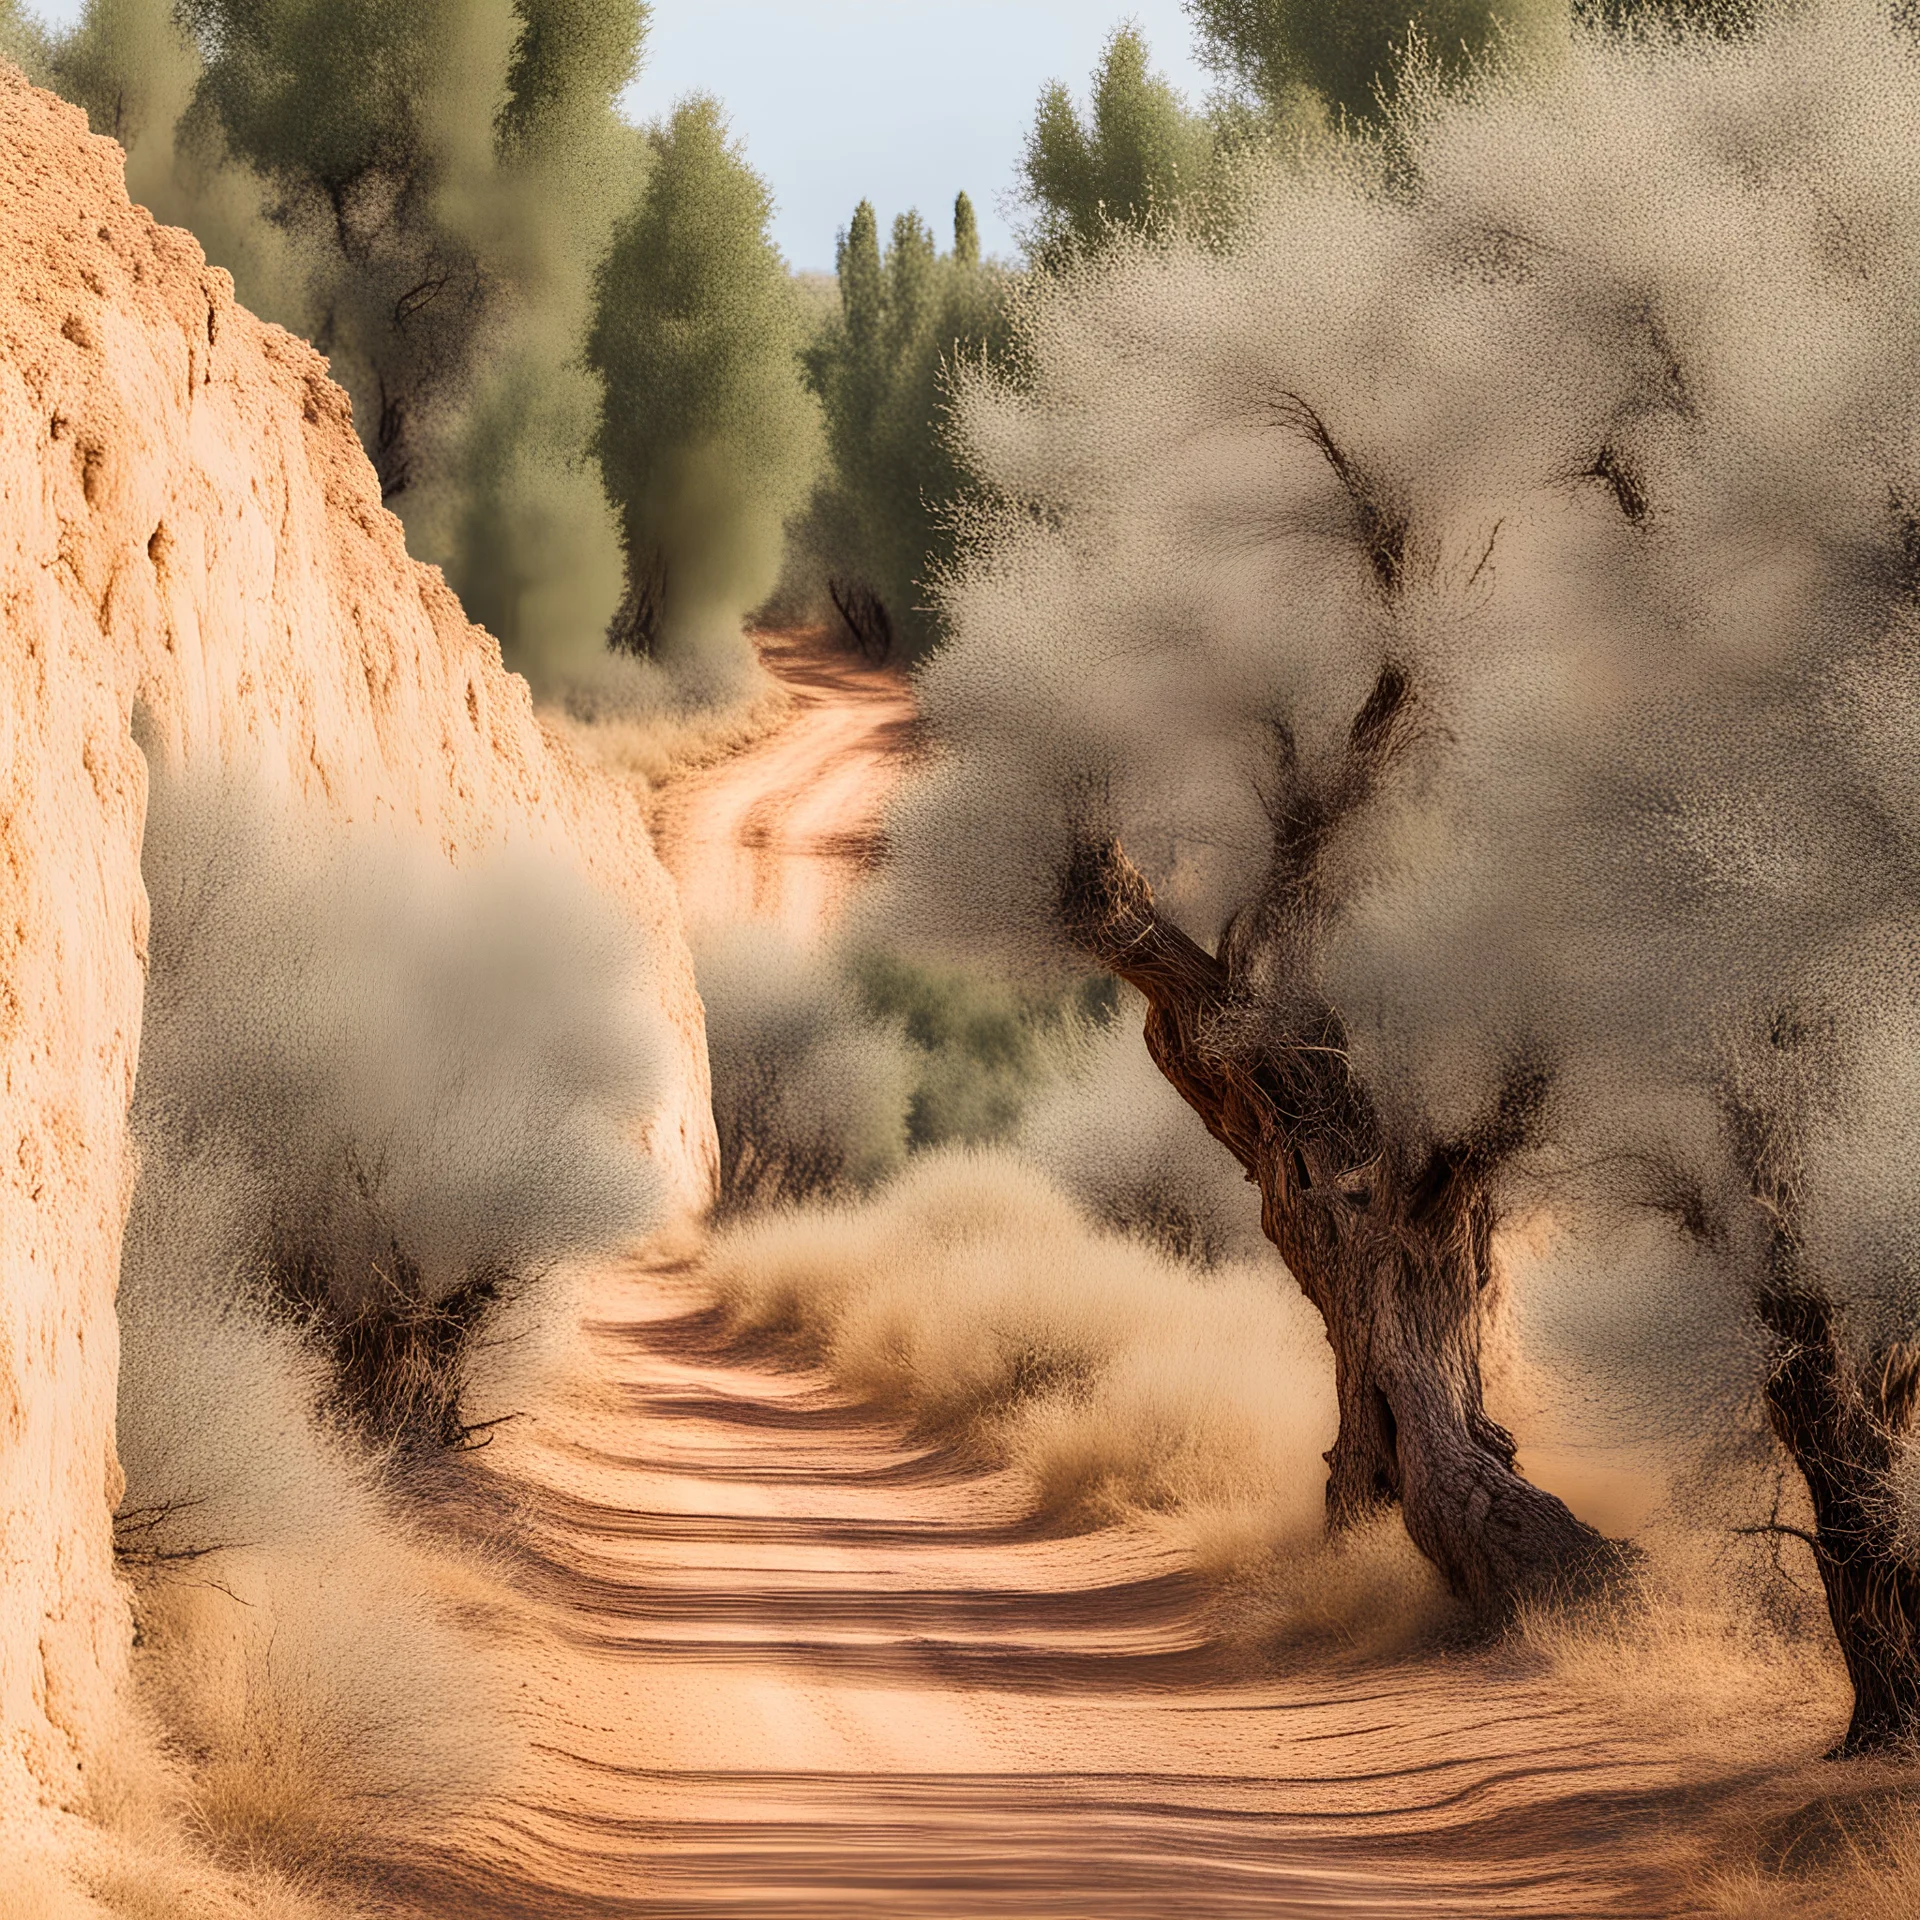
[134, 67]
[1454, 655]
[424, 190]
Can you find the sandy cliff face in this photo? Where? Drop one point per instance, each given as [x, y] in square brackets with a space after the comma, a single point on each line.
[188, 526]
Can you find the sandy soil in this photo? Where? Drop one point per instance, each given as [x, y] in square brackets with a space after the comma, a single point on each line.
[776, 1658]
[785, 830]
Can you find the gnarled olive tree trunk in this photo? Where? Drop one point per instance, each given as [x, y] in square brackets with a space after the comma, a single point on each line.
[1842, 1417]
[1394, 1250]
[1842, 1423]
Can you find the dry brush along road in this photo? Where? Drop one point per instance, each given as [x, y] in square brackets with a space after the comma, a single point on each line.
[777, 1658]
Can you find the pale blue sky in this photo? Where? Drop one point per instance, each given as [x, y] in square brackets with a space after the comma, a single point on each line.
[902, 102]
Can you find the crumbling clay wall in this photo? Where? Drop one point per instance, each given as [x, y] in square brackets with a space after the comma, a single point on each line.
[188, 525]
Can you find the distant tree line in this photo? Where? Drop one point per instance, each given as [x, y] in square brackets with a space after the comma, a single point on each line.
[587, 381]
[886, 520]
[570, 342]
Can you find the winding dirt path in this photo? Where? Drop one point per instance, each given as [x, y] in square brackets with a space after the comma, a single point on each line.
[776, 1659]
[785, 830]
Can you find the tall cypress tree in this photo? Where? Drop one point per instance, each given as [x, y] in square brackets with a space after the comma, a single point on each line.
[863, 284]
[966, 233]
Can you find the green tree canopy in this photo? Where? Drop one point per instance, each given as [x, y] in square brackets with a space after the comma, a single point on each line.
[23, 42]
[424, 188]
[391, 132]
[707, 438]
[880, 524]
[1141, 152]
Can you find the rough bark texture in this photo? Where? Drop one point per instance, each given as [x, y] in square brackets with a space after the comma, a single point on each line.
[1395, 1253]
[1841, 1423]
[188, 525]
[1841, 1417]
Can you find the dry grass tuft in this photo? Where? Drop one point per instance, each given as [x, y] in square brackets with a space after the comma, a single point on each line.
[1730, 1669]
[329, 1712]
[90, 1873]
[1858, 1864]
[648, 735]
[973, 1299]
[320, 1702]
[1707, 1649]
[148, 1886]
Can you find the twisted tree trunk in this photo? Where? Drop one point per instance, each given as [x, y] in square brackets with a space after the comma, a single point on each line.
[1841, 1425]
[864, 614]
[1393, 1251]
[1842, 1420]
[635, 627]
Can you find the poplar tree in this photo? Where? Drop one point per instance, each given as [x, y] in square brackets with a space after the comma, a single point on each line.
[966, 233]
[881, 523]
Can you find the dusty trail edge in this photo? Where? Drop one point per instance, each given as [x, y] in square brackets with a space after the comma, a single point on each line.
[773, 1657]
[784, 830]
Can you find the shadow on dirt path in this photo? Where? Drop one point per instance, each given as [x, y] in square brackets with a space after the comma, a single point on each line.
[779, 1659]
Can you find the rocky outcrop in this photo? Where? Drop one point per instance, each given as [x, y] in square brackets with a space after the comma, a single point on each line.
[188, 528]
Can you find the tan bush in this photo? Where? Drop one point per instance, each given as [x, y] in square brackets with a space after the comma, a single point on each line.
[971, 1297]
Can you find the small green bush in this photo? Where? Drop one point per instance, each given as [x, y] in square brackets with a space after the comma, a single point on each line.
[810, 1089]
[982, 1045]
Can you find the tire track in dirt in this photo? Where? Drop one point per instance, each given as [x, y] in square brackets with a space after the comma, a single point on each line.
[785, 830]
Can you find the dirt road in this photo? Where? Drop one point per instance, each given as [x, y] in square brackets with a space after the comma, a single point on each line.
[785, 830]
[776, 1659]
[780, 1661]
